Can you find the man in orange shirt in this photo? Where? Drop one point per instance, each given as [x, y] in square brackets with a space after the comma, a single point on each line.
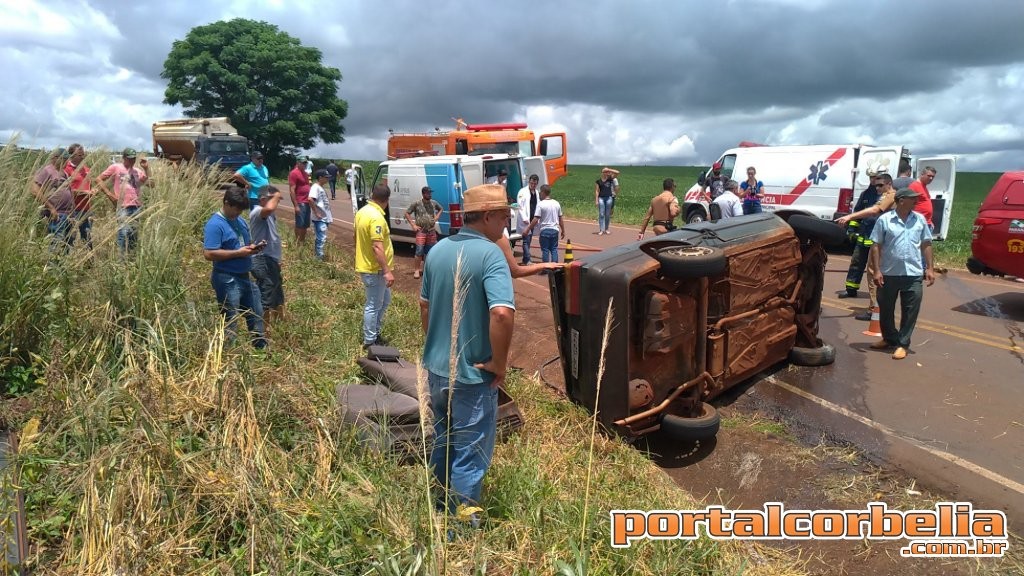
[924, 198]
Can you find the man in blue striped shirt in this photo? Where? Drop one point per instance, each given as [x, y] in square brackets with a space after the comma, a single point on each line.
[900, 256]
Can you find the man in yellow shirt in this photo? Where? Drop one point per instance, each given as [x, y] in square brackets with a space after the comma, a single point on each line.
[374, 259]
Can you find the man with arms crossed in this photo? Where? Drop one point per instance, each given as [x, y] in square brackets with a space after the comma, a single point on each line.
[465, 402]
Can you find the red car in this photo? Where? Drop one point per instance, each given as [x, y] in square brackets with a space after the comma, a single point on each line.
[997, 245]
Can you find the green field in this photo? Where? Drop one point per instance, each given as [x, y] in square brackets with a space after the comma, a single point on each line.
[639, 183]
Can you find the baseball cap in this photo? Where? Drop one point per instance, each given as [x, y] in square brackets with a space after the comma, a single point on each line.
[906, 193]
[716, 166]
[485, 197]
[257, 155]
[321, 173]
[129, 153]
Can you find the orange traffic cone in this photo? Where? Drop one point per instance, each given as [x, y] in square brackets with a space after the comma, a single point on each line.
[875, 327]
[568, 252]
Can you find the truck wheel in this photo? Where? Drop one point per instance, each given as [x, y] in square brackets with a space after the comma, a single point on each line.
[821, 356]
[824, 230]
[691, 261]
[694, 216]
[701, 427]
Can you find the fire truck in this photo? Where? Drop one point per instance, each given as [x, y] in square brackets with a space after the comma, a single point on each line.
[508, 138]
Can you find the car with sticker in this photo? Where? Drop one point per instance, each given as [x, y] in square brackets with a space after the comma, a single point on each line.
[693, 313]
[997, 239]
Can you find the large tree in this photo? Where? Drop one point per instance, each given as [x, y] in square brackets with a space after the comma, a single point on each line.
[276, 91]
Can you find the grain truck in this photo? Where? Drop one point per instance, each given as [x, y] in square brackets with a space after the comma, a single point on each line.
[203, 140]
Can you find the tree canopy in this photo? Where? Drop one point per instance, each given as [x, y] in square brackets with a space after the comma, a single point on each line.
[276, 91]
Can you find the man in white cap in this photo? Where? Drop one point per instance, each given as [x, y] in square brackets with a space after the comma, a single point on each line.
[467, 270]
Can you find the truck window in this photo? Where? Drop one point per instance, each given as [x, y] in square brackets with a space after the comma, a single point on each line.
[526, 148]
[226, 147]
[728, 166]
[553, 148]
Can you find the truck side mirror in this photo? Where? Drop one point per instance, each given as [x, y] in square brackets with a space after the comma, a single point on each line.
[543, 147]
[702, 178]
[461, 146]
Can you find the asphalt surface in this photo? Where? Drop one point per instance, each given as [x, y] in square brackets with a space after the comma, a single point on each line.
[951, 414]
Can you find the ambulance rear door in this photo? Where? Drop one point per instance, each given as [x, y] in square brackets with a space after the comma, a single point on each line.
[941, 190]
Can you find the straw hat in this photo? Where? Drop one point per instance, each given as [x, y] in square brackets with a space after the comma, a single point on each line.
[485, 197]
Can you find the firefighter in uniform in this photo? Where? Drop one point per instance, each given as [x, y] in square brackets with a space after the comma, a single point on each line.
[859, 232]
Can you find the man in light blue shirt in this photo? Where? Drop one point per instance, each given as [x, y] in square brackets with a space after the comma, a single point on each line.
[481, 299]
[254, 177]
[900, 256]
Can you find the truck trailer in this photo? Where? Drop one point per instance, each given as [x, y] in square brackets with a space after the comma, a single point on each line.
[205, 140]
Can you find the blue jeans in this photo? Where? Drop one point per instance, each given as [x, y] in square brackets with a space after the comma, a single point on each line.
[604, 209]
[84, 226]
[464, 436]
[253, 203]
[549, 245]
[320, 229]
[128, 228]
[527, 240]
[61, 233]
[378, 297]
[334, 186]
[238, 295]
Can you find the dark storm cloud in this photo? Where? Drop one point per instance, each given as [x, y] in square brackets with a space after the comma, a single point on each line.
[778, 71]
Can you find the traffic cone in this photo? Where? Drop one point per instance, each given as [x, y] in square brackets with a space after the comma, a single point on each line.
[875, 327]
[568, 252]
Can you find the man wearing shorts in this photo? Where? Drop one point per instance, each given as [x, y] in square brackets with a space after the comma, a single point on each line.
[298, 186]
[422, 216]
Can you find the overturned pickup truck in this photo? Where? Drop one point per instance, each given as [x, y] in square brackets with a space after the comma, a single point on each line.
[695, 312]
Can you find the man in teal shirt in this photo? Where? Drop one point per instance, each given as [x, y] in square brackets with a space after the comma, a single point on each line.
[465, 423]
[253, 177]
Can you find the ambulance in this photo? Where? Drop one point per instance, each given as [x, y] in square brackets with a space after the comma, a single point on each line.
[824, 181]
[448, 177]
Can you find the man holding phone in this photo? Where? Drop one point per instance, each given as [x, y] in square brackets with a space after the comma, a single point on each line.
[228, 244]
[266, 263]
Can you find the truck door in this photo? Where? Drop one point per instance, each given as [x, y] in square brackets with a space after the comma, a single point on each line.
[441, 179]
[887, 156]
[358, 188]
[553, 149]
[941, 191]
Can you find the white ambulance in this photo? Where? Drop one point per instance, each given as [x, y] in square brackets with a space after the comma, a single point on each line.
[824, 181]
[447, 177]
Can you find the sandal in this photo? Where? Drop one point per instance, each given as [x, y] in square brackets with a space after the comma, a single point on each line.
[416, 274]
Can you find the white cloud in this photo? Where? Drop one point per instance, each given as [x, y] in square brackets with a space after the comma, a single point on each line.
[87, 70]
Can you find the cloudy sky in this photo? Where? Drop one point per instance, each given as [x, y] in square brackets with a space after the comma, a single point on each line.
[631, 82]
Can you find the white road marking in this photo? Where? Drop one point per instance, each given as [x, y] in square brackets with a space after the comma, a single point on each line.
[951, 458]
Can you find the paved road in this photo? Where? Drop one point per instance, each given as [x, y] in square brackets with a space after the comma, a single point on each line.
[951, 414]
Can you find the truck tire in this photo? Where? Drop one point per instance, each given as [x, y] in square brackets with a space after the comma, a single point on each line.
[691, 261]
[703, 427]
[694, 217]
[821, 356]
[826, 231]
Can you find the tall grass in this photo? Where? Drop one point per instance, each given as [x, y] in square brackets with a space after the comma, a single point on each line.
[152, 449]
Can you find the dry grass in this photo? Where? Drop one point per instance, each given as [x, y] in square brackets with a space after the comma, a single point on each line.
[158, 451]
